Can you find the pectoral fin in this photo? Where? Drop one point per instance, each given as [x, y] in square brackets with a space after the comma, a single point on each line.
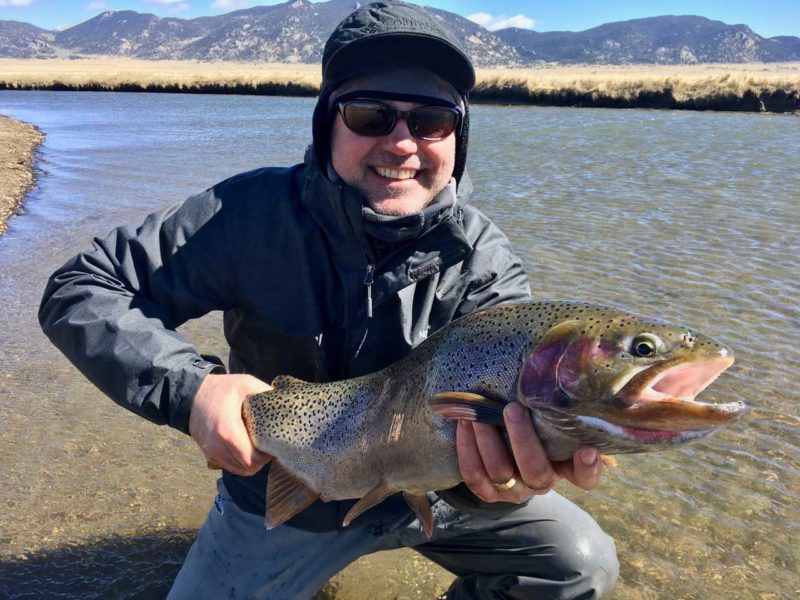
[421, 506]
[373, 497]
[286, 496]
[468, 406]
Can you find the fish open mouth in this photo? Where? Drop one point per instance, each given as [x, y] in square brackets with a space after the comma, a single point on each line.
[657, 406]
[681, 382]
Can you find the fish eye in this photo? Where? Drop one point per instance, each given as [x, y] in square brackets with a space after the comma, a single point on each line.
[645, 345]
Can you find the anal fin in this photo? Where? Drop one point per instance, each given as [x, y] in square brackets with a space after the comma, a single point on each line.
[421, 506]
[286, 496]
[468, 406]
[372, 498]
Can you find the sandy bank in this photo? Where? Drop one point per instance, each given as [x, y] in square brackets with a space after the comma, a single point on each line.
[19, 141]
[755, 87]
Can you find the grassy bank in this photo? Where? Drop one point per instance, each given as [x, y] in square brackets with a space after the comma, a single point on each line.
[20, 140]
[773, 87]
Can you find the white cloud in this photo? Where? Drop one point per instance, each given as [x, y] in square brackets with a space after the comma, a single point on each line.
[232, 4]
[495, 22]
[98, 5]
[16, 2]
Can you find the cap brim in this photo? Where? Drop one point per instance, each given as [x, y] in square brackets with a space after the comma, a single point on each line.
[390, 49]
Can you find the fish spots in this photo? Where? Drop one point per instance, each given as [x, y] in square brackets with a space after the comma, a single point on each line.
[558, 355]
[303, 414]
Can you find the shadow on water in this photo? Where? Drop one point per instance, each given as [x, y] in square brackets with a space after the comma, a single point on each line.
[140, 567]
[124, 567]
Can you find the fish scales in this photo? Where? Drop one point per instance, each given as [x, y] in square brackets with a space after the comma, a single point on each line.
[590, 374]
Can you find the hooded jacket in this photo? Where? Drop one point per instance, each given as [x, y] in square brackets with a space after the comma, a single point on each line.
[284, 253]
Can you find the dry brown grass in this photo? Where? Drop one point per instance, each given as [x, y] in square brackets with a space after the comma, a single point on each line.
[772, 86]
[681, 86]
[113, 73]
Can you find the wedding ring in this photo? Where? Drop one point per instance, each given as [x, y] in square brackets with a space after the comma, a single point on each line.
[504, 487]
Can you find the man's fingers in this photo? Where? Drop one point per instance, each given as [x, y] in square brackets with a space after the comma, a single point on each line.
[534, 466]
[242, 454]
[494, 454]
[584, 470]
[469, 460]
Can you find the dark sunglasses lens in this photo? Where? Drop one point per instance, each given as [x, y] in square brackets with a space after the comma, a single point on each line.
[368, 118]
[432, 122]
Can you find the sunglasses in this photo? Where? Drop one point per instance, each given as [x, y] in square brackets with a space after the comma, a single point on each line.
[372, 118]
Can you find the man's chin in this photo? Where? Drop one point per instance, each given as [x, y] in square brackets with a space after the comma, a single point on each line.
[398, 204]
[398, 207]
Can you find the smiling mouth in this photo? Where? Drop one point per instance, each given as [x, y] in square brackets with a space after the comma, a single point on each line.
[398, 174]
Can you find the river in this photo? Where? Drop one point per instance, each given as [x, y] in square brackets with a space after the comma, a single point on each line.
[689, 216]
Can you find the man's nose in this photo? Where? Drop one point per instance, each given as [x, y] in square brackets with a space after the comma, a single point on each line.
[400, 140]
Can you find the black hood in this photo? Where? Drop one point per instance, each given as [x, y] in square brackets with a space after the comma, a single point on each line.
[383, 35]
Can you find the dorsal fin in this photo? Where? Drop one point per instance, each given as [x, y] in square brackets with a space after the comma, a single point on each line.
[468, 406]
[286, 496]
[284, 381]
[375, 496]
[421, 506]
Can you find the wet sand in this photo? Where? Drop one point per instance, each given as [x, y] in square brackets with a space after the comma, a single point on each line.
[19, 142]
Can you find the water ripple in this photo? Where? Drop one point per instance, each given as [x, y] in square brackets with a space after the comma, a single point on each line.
[691, 217]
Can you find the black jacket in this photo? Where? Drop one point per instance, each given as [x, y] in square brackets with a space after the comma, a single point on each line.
[284, 253]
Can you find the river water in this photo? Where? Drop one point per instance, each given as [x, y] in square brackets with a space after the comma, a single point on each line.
[693, 217]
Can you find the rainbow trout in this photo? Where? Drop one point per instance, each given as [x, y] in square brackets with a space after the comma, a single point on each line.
[590, 375]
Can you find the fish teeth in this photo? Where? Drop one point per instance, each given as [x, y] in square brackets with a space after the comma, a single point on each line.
[395, 173]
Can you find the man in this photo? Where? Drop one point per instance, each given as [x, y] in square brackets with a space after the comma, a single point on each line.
[326, 270]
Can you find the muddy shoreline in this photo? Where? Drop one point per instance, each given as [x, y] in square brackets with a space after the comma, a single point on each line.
[17, 173]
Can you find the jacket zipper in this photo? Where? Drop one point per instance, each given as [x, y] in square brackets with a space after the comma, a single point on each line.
[368, 281]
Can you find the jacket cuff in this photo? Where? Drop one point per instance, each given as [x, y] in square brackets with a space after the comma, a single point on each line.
[188, 382]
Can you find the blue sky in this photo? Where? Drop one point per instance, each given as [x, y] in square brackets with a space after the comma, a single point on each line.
[767, 18]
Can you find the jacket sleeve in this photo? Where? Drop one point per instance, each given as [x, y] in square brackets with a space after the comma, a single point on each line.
[497, 273]
[113, 311]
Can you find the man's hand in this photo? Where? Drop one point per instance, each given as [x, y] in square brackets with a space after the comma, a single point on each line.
[485, 461]
[215, 423]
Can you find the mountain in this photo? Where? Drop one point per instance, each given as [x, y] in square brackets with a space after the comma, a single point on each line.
[295, 31]
[21, 40]
[129, 33]
[654, 40]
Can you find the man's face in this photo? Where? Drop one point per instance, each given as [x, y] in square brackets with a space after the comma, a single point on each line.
[397, 173]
